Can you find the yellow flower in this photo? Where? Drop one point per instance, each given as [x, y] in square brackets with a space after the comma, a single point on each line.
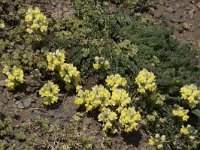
[11, 77]
[145, 81]
[191, 94]
[185, 117]
[2, 25]
[36, 10]
[151, 141]
[43, 28]
[15, 76]
[35, 26]
[35, 21]
[96, 66]
[137, 116]
[181, 112]
[28, 18]
[29, 30]
[79, 101]
[48, 91]
[108, 125]
[54, 99]
[107, 64]
[159, 146]
[128, 119]
[88, 108]
[78, 88]
[115, 81]
[112, 116]
[39, 16]
[141, 90]
[55, 89]
[10, 84]
[184, 131]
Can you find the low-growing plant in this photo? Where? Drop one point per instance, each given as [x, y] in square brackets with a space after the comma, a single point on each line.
[115, 46]
[5, 127]
[49, 91]
[69, 74]
[14, 75]
[112, 104]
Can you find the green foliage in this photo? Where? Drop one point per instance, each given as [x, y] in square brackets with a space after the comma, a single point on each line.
[117, 37]
[196, 112]
[5, 127]
[21, 136]
[121, 38]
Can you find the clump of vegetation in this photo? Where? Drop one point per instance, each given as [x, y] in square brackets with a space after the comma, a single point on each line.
[14, 75]
[5, 127]
[112, 105]
[49, 90]
[146, 79]
[35, 21]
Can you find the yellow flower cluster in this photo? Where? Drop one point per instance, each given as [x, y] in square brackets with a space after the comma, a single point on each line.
[145, 81]
[110, 104]
[116, 81]
[14, 75]
[70, 74]
[129, 118]
[67, 72]
[2, 25]
[36, 21]
[190, 133]
[157, 141]
[101, 62]
[108, 118]
[55, 59]
[119, 98]
[185, 130]
[191, 94]
[49, 90]
[180, 112]
[94, 98]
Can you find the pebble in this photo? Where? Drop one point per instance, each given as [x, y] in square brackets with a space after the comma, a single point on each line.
[177, 17]
[1, 9]
[1, 89]
[20, 105]
[198, 5]
[27, 102]
[1, 106]
[169, 9]
[191, 13]
[2, 83]
[36, 112]
[19, 96]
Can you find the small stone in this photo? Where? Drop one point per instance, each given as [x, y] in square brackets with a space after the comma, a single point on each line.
[1, 9]
[191, 13]
[177, 17]
[19, 96]
[36, 112]
[59, 6]
[1, 105]
[17, 102]
[20, 106]
[27, 102]
[198, 5]
[87, 121]
[2, 83]
[169, 9]
[1, 89]
[65, 9]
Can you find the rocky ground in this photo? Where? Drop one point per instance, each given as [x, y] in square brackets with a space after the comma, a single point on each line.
[183, 16]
